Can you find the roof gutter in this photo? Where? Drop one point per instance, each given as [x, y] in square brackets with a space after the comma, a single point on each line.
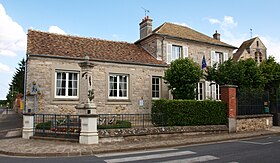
[95, 60]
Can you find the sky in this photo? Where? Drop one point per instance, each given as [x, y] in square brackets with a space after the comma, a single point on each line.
[119, 20]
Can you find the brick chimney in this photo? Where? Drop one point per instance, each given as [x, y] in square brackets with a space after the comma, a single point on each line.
[145, 27]
[216, 35]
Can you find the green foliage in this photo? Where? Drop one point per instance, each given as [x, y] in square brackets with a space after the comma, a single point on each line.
[191, 112]
[17, 84]
[118, 124]
[244, 73]
[182, 77]
[46, 125]
[270, 69]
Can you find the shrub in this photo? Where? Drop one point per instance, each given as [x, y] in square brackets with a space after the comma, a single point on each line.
[45, 125]
[191, 112]
[119, 124]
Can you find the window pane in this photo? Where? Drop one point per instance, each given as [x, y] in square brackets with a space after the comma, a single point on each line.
[72, 84]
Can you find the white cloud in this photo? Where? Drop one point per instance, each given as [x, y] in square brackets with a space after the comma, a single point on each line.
[272, 45]
[12, 35]
[214, 21]
[230, 36]
[56, 29]
[182, 24]
[4, 68]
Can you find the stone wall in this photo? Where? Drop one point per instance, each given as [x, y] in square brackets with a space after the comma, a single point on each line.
[42, 71]
[253, 122]
[109, 135]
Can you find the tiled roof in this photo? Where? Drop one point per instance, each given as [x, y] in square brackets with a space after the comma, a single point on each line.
[245, 45]
[44, 43]
[184, 32]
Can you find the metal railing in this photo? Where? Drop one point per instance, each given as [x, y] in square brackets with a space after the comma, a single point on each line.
[130, 120]
[51, 125]
[252, 103]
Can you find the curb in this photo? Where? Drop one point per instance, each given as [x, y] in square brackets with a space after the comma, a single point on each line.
[217, 138]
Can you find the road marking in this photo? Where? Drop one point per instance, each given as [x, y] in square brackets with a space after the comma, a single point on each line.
[193, 159]
[258, 143]
[147, 157]
[131, 153]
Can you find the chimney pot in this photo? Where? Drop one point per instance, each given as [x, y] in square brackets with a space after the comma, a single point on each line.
[216, 35]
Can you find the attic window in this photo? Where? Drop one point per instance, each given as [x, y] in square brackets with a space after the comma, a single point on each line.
[257, 43]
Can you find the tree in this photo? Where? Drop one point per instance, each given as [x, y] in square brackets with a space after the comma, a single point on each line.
[17, 84]
[244, 74]
[182, 77]
[270, 69]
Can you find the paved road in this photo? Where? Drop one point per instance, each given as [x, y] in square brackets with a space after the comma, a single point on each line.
[8, 122]
[264, 149]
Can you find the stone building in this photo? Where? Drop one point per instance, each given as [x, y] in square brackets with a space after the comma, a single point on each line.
[253, 48]
[126, 77]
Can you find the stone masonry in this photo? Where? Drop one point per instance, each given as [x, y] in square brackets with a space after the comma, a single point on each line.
[42, 71]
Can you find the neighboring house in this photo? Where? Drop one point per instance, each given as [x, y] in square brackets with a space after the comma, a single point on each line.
[126, 76]
[171, 41]
[253, 48]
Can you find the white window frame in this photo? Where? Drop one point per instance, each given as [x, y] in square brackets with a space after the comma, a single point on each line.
[66, 84]
[118, 87]
[200, 90]
[178, 55]
[159, 87]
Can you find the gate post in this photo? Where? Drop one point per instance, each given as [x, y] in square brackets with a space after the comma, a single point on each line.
[228, 96]
[28, 125]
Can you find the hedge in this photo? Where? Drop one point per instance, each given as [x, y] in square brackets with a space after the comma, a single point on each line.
[46, 125]
[190, 112]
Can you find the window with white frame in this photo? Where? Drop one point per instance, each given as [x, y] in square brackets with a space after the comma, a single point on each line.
[175, 52]
[200, 91]
[208, 91]
[118, 86]
[66, 84]
[218, 57]
[156, 87]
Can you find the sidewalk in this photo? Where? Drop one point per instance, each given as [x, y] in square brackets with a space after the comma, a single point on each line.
[45, 148]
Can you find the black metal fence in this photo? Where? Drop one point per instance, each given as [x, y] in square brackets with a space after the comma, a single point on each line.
[252, 102]
[130, 120]
[51, 125]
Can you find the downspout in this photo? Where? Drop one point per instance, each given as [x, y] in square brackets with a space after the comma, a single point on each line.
[24, 83]
[162, 47]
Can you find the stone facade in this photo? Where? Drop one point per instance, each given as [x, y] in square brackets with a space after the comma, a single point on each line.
[253, 48]
[42, 71]
[254, 122]
[157, 46]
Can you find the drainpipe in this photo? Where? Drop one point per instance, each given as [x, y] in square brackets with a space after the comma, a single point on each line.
[162, 47]
[24, 83]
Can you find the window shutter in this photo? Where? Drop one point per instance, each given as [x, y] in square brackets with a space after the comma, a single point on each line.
[225, 56]
[168, 53]
[213, 91]
[207, 90]
[185, 52]
[213, 58]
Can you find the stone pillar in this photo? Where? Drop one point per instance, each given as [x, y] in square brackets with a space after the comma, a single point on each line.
[89, 133]
[228, 95]
[86, 88]
[28, 125]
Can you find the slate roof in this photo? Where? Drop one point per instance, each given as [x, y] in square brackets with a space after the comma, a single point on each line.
[245, 45]
[179, 31]
[50, 44]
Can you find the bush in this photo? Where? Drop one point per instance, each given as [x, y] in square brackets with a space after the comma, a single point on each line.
[191, 112]
[46, 125]
[119, 124]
